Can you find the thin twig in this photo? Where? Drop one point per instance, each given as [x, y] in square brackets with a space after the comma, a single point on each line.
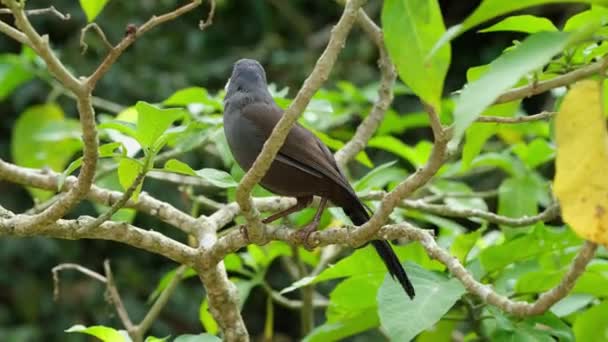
[203, 24]
[385, 95]
[131, 36]
[515, 120]
[40, 11]
[70, 266]
[84, 46]
[145, 324]
[292, 304]
[115, 299]
[541, 87]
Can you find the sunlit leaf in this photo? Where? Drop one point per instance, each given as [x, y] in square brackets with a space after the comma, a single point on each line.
[13, 72]
[504, 72]
[152, 122]
[592, 325]
[522, 23]
[489, 9]
[92, 8]
[106, 334]
[128, 169]
[207, 320]
[411, 27]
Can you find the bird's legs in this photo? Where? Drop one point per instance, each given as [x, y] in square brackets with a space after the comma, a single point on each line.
[302, 203]
[305, 232]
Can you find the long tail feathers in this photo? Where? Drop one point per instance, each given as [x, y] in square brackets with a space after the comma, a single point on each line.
[394, 266]
[357, 213]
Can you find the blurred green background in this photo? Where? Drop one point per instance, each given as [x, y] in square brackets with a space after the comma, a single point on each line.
[285, 36]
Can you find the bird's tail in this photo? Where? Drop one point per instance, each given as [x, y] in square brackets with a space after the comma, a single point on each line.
[357, 213]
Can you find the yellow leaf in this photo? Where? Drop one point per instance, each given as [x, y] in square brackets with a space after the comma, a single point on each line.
[580, 181]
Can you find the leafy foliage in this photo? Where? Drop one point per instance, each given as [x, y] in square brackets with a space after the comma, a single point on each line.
[505, 168]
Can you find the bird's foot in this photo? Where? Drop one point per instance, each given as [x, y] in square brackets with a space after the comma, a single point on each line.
[304, 233]
[243, 230]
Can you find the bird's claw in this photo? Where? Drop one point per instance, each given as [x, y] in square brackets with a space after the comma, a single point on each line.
[243, 230]
[302, 236]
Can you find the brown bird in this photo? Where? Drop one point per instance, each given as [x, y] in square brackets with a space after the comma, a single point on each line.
[304, 167]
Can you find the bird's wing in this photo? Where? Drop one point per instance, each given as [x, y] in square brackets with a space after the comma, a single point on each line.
[301, 149]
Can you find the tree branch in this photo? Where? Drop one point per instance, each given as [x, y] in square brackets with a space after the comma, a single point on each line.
[541, 87]
[385, 95]
[130, 37]
[314, 81]
[515, 120]
[115, 299]
[409, 185]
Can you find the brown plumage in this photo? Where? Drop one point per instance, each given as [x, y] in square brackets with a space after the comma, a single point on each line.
[304, 167]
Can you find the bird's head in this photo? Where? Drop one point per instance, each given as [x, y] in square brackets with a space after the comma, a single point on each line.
[248, 76]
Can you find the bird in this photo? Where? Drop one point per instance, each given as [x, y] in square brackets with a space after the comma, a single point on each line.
[303, 167]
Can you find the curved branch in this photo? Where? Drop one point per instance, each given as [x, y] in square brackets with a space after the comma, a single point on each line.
[548, 214]
[541, 87]
[385, 95]
[409, 185]
[319, 74]
[150, 241]
[131, 36]
[49, 180]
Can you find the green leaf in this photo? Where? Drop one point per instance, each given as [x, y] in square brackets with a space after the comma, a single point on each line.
[463, 244]
[339, 330]
[197, 338]
[219, 178]
[105, 151]
[493, 8]
[435, 295]
[517, 198]
[177, 166]
[523, 247]
[379, 177]
[152, 122]
[167, 278]
[479, 133]
[30, 145]
[366, 261]
[592, 325]
[111, 182]
[442, 331]
[126, 128]
[206, 318]
[571, 304]
[106, 334]
[187, 96]
[410, 29]
[128, 169]
[13, 72]
[597, 14]
[354, 296]
[536, 153]
[522, 23]
[504, 72]
[156, 339]
[92, 8]
[417, 155]
[397, 123]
